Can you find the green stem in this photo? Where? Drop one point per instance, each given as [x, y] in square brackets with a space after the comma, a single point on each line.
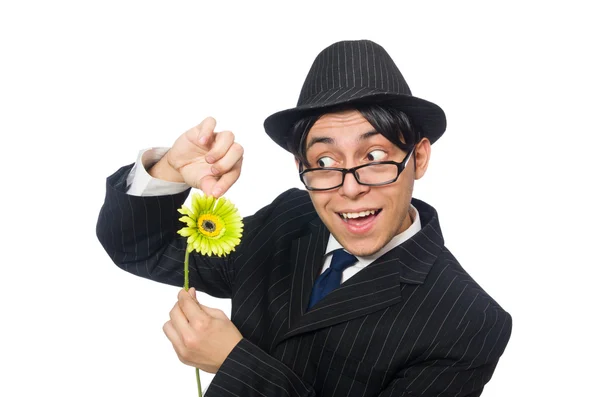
[186, 270]
[198, 382]
[186, 286]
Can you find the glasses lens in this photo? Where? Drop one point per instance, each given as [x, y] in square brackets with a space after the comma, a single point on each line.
[322, 179]
[377, 173]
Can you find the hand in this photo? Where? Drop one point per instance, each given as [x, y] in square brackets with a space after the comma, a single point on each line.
[202, 336]
[204, 159]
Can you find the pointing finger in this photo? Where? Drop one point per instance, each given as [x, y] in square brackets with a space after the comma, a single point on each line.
[203, 133]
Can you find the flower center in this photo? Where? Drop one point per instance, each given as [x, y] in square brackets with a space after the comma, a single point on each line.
[210, 225]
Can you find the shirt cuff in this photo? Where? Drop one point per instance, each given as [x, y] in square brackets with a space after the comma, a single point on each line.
[141, 183]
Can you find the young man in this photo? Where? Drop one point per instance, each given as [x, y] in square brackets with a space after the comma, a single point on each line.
[345, 289]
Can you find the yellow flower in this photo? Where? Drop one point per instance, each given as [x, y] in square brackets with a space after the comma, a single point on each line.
[214, 226]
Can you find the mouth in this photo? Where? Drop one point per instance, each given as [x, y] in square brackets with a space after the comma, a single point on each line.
[359, 221]
[361, 215]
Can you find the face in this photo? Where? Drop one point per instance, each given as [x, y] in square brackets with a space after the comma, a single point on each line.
[362, 218]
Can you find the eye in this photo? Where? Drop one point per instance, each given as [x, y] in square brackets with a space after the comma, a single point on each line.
[376, 155]
[325, 162]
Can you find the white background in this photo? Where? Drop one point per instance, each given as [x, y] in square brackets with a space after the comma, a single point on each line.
[84, 85]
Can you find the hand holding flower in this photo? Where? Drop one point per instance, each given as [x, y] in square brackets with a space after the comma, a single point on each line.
[202, 336]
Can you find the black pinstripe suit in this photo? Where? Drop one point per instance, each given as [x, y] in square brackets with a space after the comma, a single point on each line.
[413, 323]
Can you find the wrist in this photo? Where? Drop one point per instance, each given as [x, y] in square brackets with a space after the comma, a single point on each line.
[162, 170]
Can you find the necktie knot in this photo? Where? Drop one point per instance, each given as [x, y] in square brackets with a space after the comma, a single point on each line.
[341, 260]
[331, 278]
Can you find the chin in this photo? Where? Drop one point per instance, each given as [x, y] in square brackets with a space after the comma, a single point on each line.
[364, 252]
[361, 248]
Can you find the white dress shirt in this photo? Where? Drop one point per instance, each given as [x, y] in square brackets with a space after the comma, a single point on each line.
[140, 183]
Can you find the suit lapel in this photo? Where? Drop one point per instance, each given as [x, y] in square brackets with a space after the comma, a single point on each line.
[307, 260]
[375, 287]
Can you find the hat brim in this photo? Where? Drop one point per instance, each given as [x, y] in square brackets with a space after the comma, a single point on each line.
[427, 116]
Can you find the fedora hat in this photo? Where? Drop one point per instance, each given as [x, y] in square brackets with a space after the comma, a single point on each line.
[349, 72]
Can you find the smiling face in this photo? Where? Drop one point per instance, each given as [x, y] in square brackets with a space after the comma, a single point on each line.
[362, 218]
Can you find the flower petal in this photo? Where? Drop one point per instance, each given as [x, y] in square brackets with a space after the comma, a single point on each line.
[188, 221]
[187, 231]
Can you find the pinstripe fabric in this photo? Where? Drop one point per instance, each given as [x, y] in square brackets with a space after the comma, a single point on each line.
[370, 64]
[351, 71]
[413, 323]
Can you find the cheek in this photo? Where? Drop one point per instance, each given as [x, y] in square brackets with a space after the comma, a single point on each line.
[320, 201]
[399, 194]
[406, 181]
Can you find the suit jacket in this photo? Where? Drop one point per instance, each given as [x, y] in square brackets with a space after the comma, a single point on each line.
[412, 323]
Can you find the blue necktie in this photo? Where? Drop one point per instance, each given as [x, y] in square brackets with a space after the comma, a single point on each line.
[331, 278]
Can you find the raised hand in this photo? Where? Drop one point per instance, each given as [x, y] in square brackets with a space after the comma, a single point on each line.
[207, 160]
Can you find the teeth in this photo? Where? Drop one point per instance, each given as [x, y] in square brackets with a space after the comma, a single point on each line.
[353, 215]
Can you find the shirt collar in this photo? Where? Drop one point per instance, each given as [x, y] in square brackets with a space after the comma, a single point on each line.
[363, 261]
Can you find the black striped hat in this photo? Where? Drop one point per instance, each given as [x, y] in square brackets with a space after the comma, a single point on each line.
[356, 71]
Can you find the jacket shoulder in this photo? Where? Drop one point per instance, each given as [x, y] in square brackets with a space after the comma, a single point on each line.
[470, 303]
[291, 204]
[292, 210]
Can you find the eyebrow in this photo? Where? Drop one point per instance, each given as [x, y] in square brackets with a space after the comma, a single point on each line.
[330, 141]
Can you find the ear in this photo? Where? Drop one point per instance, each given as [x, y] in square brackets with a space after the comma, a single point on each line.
[422, 154]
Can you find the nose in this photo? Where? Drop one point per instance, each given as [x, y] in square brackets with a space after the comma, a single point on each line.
[351, 188]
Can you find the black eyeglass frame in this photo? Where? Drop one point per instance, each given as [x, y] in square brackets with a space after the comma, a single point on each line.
[401, 166]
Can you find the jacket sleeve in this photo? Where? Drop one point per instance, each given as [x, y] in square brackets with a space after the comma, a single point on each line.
[140, 236]
[463, 366]
[249, 371]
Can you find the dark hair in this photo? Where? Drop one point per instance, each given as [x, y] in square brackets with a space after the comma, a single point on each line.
[390, 122]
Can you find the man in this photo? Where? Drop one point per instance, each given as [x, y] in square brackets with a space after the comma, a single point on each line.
[345, 289]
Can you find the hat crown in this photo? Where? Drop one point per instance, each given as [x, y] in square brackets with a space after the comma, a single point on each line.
[359, 66]
[348, 73]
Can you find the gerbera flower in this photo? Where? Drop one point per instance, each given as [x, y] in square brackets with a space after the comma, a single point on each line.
[214, 226]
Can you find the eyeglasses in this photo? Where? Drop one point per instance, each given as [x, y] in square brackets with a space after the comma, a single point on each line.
[376, 173]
